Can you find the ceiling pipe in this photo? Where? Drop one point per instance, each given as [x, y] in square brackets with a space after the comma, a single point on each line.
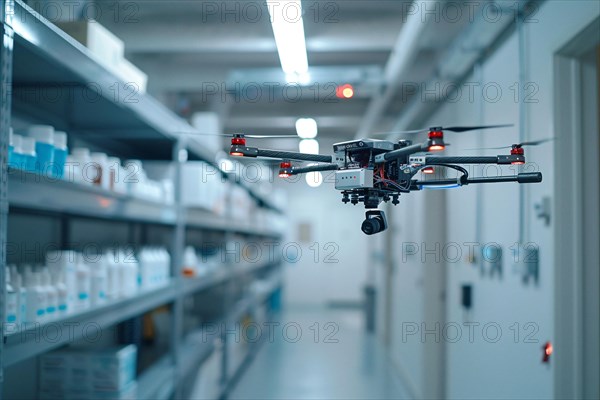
[403, 55]
[471, 47]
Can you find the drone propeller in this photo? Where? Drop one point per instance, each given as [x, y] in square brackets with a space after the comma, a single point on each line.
[441, 129]
[232, 135]
[516, 145]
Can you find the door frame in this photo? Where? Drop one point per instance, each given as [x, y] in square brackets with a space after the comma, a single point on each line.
[576, 219]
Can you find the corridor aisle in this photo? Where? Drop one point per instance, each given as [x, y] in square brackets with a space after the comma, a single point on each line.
[340, 362]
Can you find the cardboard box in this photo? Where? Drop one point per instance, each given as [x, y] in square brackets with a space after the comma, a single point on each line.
[107, 370]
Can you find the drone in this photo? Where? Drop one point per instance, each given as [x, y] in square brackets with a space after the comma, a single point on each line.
[372, 171]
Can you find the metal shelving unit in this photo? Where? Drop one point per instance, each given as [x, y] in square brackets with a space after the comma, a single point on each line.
[35, 53]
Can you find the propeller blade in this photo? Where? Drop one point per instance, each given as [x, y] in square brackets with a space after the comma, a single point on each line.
[451, 129]
[474, 128]
[273, 136]
[537, 142]
[413, 132]
[530, 143]
[230, 135]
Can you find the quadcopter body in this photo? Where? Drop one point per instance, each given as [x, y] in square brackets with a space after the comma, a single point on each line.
[372, 171]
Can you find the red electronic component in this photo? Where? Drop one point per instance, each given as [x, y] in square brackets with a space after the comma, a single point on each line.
[436, 140]
[428, 170]
[436, 147]
[517, 151]
[238, 141]
[548, 350]
[285, 169]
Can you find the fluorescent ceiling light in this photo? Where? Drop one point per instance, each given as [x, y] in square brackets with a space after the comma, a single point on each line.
[309, 146]
[314, 179]
[306, 128]
[288, 29]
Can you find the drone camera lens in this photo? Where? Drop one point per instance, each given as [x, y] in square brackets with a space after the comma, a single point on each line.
[374, 222]
[371, 226]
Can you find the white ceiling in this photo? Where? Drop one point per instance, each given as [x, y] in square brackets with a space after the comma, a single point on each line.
[194, 51]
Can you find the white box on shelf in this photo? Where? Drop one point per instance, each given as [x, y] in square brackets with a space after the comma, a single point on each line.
[108, 48]
[130, 74]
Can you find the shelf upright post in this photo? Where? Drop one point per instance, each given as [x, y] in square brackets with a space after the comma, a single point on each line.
[6, 59]
[177, 247]
[229, 294]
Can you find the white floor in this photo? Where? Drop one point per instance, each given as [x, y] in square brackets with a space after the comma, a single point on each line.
[332, 358]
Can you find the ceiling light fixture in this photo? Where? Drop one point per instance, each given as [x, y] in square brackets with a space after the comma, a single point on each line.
[306, 128]
[309, 146]
[288, 29]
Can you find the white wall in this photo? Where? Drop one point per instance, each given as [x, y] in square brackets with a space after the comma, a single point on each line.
[508, 368]
[339, 271]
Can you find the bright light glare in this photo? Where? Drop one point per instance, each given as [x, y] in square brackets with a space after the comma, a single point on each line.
[309, 146]
[288, 29]
[306, 128]
[298, 79]
[314, 179]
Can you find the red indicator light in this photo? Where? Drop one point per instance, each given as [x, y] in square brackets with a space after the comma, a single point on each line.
[548, 350]
[238, 141]
[285, 164]
[436, 147]
[345, 91]
[436, 134]
[236, 153]
[284, 175]
[428, 170]
[517, 163]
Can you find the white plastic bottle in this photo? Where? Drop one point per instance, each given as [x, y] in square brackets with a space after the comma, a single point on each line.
[113, 281]
[145, 262]
[131, 273]
[80, 159]
[100, 163]
[98, 284]
[58, 281]
[64, 264]
[36, 299]
[11, 301]
[166, 266]
[51, 295]
[20, 289]
[82, 284]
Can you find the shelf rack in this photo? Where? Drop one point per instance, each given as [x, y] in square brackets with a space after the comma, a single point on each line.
[35, 54]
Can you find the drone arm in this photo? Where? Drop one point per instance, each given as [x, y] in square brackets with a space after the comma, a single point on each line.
[314, 168]
[403, 152]
[436, 160]
[526, 177]
[286, 155]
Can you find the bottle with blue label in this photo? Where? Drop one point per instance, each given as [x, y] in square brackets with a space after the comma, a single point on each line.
[36, 298]
[17, 282]
[60, 154]
[44, 147]
[15, 152]
[28, 154]
[58, 281]
[11, 146]
[11, 299]
[51, 295]
[83, 284]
